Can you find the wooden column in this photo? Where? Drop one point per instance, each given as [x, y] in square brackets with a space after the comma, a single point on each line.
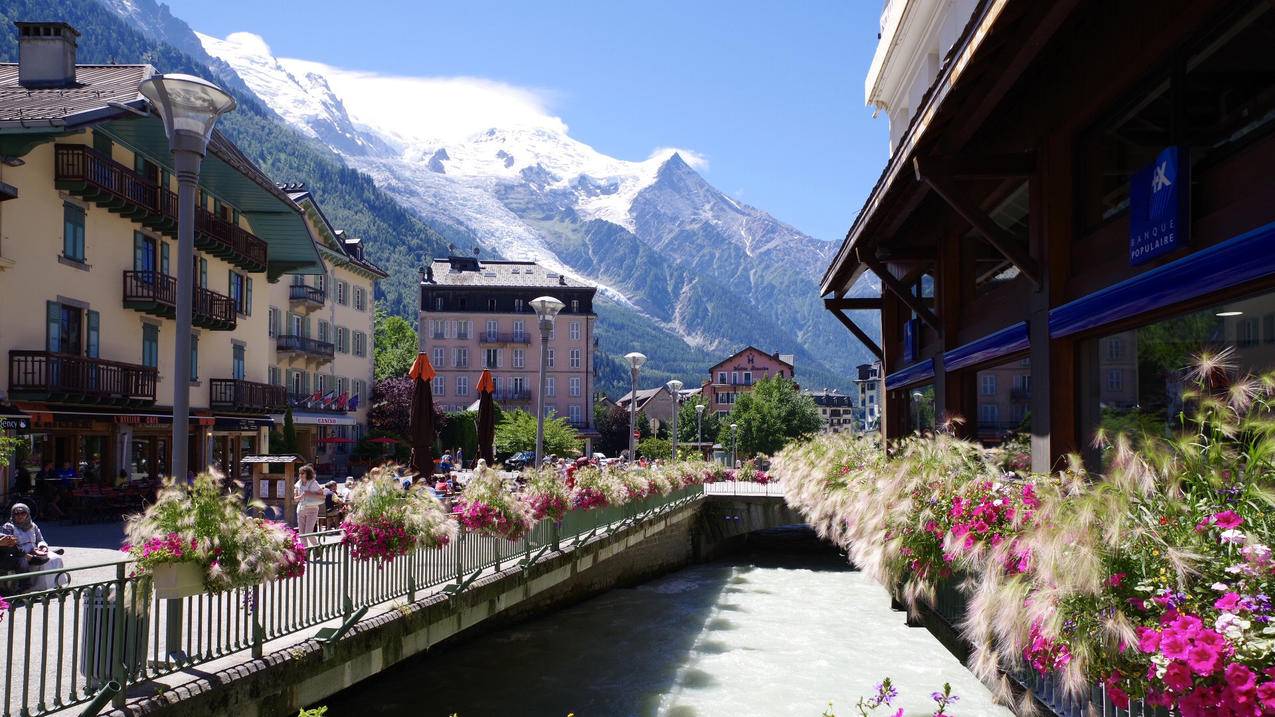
[947, 298]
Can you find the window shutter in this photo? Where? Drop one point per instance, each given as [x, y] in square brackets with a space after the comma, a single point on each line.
[91, 341]
[139, 252]
[203, 271]
[53, 314]
[247, 309]
[163, 257]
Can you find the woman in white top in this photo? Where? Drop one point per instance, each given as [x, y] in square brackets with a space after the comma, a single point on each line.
[309, 496]
[31, 547]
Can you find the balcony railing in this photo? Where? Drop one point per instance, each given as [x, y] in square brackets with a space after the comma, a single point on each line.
[155, 292]
[493, 337]
[1020, 395]
[305, 345]
[309, 402]
[84, 171]
[239, 396]
[308, 295]
[50, 376]
[512, 395]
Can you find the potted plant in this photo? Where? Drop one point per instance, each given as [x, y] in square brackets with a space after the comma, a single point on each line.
[547, 494]
[487, 506]
[388, 521]
[198, 538]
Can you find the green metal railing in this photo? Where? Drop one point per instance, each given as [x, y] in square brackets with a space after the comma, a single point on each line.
[65, 646]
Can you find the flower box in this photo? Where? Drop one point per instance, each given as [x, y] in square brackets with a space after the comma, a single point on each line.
[178, 580]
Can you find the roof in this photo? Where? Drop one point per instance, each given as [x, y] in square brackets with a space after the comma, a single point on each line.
[644, 395]
[746, 349]
[98, 88]
[339, 242]
[511, 274]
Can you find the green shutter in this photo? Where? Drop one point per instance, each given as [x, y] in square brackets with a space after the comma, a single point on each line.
[163, 257]
[139, 251]
[92, 343]
[194, 357]
[203, 271]
[247, 309]
[53, 315]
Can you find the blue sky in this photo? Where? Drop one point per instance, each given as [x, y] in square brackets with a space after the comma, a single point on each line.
[770, 93]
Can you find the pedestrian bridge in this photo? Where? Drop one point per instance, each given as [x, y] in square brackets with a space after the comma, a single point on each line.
[105, 646]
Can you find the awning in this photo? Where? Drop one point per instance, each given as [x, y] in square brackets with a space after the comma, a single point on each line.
[318, 419]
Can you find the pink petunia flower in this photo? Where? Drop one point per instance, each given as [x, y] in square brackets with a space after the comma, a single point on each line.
[1228, 602]
[1227, 519]
[1148, 639]
[1116, 579]
[1177, 677]
[1203, 659]
[1174, 645]
[1240, 677]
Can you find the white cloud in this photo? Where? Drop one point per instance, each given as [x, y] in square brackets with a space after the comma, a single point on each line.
[433, 108]
[694, 159]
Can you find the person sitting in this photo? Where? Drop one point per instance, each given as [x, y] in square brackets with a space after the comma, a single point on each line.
[33, 551]
[445, 463]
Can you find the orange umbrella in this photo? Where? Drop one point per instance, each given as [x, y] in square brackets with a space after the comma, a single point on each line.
[422, 420]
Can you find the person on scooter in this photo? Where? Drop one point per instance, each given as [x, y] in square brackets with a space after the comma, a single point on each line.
[33, 551]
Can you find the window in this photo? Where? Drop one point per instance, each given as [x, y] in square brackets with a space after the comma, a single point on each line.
[194, 357]
[491, 304]
[360, 298]
[491, 358]
[461, 356]
[575, 385]
[518, 385]
[988, 413]
[987, 384]
[343, 339]
[575, 306]
[1115, 379]
[520, 358]
[72, 232]
[551, 386]
[573, 412]
[437, 330]
[518, 306]
[1115, 349]
[272, 375]
[237, 368]
[575, 330]
[748, 378]
[549, 358]
[295, 325]
[575, 358]
[64, 333]
[203, 272]
[440, 386]
[462, 385]
[274, 319]
[440, 357]
[360, 343]
[325, 331]
[734, 378]
[520, 330]
[438, 303]
[1246, 331]
[342, 293]
[493, 328]
[463, 328]
[241, 293]
[721, 377]
[150, 345]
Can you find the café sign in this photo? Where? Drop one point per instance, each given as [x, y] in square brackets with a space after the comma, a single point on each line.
[1159, 206]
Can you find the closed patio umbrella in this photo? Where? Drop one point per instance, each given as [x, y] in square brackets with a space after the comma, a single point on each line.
[422, 420]
[486, 417]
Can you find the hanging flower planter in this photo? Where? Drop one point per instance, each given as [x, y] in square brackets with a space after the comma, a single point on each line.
[388, 522]
[178, 580]
[487, 506]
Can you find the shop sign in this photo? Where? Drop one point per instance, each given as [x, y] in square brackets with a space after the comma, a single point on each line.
[1159, 206]
[239, 424]
[137, 420]
[13, 424]
[325, 420]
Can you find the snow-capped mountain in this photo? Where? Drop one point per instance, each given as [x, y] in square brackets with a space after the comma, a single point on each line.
[656, 237]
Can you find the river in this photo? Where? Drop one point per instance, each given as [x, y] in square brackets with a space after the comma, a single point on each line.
[782, 629]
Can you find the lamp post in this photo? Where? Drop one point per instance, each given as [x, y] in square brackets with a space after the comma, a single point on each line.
[734, 444]
[699, 427]
[546, 308]
[675, 387]
[189, 107]
[635, 360]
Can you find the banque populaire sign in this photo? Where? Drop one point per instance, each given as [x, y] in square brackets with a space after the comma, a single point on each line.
[1159, 206]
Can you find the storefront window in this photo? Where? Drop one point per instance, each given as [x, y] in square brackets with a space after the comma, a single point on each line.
[921, 408]
[1132, 381]
[1004, 401]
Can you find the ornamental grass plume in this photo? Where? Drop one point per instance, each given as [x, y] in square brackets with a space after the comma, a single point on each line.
[547, 494]
[387, 521]
[490, 507]
[205, 523]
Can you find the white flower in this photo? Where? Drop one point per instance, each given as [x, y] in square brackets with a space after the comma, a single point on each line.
[1257, 553]
[1234, 536]
[1231, 625]
[1221, 587]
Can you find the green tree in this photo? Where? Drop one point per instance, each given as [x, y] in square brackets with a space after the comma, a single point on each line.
[655, 448]
[612, 425]
[9, 447]
[394, 345]
[686, 428]
[516, 431]
[285, 440]
[770, 416]
[461, 432]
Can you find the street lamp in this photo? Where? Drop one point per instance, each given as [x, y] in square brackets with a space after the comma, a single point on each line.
[734, 444]
[675, 387]
[635, 360]
[699, 427]
[189, 107]
[546, 307]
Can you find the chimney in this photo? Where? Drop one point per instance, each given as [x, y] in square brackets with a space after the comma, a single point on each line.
[46, 54]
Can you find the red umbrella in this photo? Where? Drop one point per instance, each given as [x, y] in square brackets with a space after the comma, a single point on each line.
[422, 420]
[486, 417]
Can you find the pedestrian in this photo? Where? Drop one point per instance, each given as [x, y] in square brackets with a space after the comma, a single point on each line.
[33, 552]
[309, 495]
[460, 459]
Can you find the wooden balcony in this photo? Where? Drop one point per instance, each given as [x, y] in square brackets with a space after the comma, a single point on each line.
[49, 376]
[492, 337]
[155, 293]
[306, 297]
[313, 348]
[238, 396]
[85, 172]
[512, 395]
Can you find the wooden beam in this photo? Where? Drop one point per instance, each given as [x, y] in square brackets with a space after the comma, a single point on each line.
[1001, 240]
[991, 166]
[865, 304]
[859, 333]
[915, 304]
[908, 254]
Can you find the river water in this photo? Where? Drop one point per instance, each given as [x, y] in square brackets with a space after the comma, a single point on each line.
[783, 629]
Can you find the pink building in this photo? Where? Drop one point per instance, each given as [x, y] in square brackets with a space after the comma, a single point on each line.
[477, 314]
[737, 374]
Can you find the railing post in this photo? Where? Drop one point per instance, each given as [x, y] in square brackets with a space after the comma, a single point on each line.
[556, 535]
[119, 673]
[173, 626]
[460, 558]
[258, 633]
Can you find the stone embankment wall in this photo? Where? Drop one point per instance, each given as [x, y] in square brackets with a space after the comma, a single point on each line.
[283, 681]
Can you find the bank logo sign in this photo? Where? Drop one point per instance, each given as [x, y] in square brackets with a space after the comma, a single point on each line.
[1159, 206]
